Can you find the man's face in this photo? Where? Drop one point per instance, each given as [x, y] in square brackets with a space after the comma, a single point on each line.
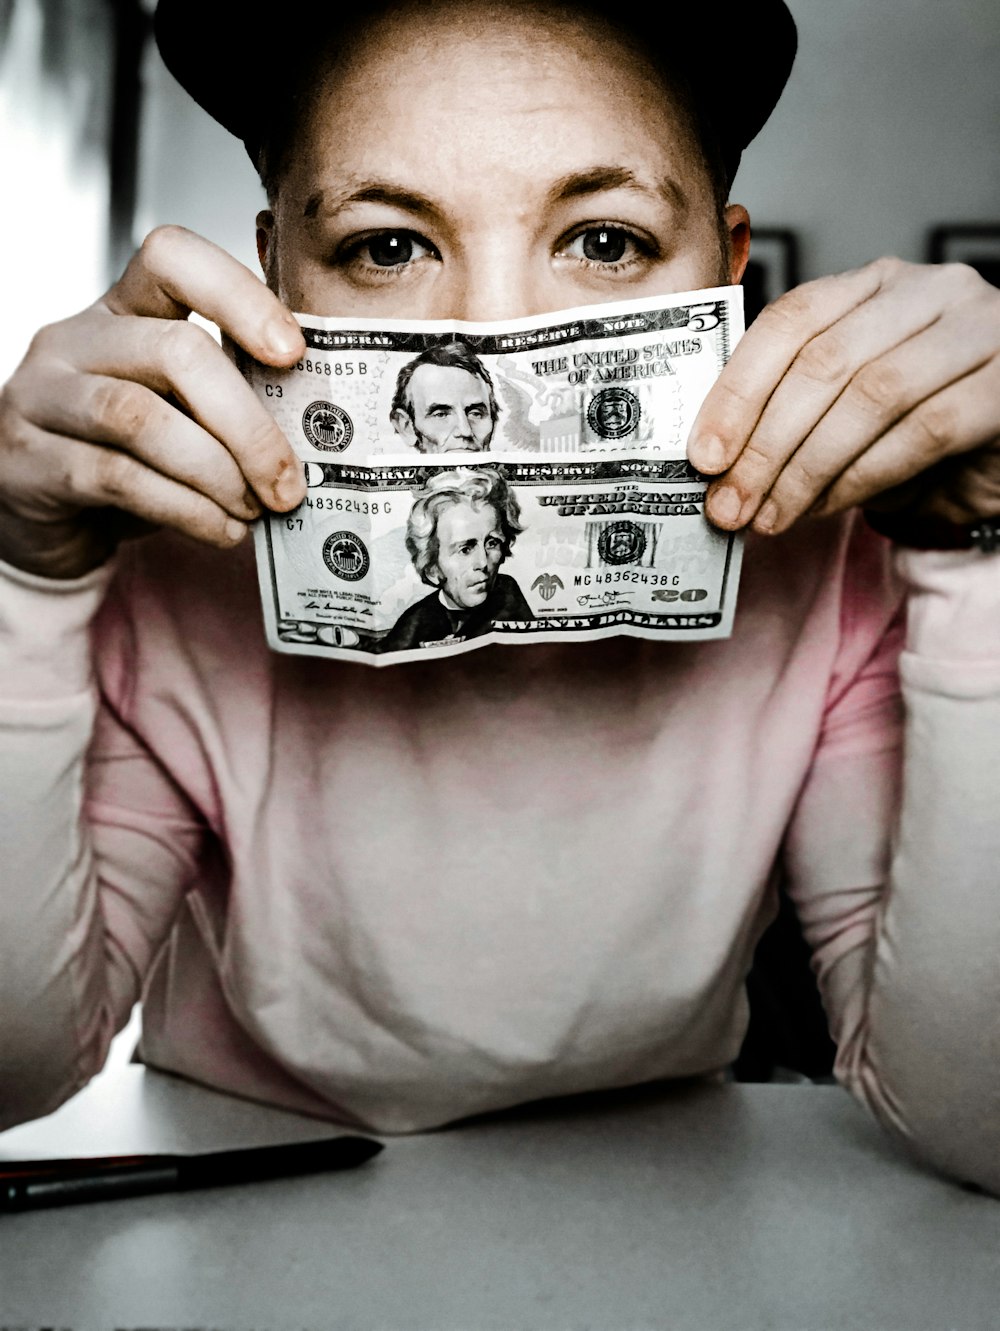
[470, 552]
[449, 411]
[557, 172]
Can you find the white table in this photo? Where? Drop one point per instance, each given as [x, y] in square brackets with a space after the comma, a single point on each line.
[699, 1207]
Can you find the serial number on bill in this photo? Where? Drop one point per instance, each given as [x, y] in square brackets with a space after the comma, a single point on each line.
[332, 369]
[342, 505]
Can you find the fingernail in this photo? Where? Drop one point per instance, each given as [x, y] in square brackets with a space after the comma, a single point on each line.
[708, 454]
[235, 531]
[283, 336]
[725, 505]
[289, 485]
[767, 516]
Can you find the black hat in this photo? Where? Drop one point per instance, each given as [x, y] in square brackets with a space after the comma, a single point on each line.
[735, 54]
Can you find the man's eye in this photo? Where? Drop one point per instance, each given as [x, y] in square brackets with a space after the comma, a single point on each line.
[607, 245]
[391, 249]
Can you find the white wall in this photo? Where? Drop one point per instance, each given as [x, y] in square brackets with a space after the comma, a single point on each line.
[192, 171]
[54, 104]
[890, 124]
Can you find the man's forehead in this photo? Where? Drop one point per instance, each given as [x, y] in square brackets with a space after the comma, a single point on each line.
[606, 121]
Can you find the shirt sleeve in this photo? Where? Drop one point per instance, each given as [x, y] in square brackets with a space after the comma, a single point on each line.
[98, 844]
[893, 855]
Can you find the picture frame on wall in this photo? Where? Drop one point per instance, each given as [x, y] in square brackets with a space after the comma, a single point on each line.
[974, 243]
[773, 268]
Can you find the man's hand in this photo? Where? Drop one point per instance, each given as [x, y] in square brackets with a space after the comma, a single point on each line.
[882, 382]
[128, 415]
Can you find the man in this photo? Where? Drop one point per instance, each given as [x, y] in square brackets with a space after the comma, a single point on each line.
[208, 826]
[444, 401]
[460, 530]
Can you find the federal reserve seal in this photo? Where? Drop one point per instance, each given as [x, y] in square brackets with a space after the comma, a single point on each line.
[613, 413]
[621, 543]
[346, 556]
[327, 426]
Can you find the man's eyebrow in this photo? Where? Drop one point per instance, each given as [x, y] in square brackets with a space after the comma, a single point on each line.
[368, 191]
[599, 178]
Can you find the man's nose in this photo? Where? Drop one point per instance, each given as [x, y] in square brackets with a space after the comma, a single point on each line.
[495, 279]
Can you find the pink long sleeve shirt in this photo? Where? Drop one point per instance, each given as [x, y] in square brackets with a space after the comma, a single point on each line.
[394, 898]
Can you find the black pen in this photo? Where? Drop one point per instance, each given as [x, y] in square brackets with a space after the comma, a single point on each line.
[28, 1184]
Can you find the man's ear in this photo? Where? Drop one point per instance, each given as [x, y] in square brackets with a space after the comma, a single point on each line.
[402, 423]
[738, 226]
[265, 246]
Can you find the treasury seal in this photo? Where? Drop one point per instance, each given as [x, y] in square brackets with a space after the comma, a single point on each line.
[346, 556]
[621, 543]
[613, 413]
[327, 426]
[547, 584]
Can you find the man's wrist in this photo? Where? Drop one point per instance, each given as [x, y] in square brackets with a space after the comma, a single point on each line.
[61, 550]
